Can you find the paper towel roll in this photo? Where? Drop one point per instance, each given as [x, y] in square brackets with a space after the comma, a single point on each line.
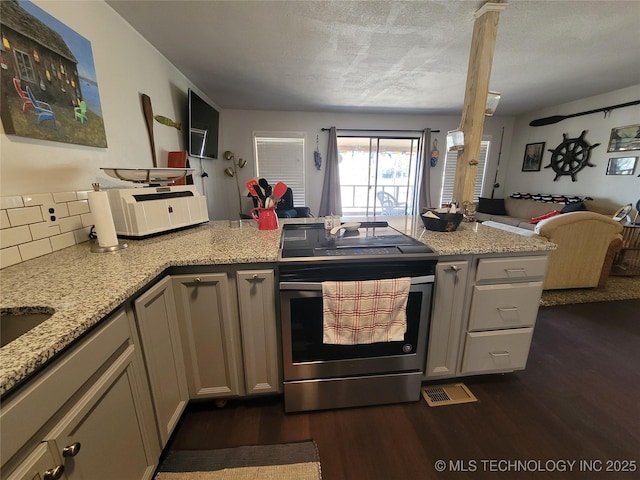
[102, 219]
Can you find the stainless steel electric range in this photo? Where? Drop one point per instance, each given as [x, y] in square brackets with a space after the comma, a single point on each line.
[321, 376]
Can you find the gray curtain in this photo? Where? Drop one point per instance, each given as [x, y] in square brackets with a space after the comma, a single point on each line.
[331, 201]
[424, 171]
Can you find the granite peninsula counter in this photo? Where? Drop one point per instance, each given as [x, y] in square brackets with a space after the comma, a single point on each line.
[83, 287]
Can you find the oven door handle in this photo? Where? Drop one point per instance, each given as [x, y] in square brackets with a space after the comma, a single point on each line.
[318, 285]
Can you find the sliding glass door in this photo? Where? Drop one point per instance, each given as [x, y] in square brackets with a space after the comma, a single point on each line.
[377, 174]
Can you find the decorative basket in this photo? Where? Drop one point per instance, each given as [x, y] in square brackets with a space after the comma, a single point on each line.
[448, 222]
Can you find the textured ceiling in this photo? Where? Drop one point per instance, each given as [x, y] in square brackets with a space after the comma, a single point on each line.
[390, 56]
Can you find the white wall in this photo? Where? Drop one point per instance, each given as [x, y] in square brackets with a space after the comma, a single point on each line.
[126, 66]
[591, 181]
[239, 126]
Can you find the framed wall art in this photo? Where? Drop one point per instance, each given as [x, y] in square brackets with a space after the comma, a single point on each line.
[533, 157]
[624, 138]
[622, 165]
[48, 78]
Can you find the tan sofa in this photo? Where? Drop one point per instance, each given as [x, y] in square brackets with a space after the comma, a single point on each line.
[587, 243]
[587, 240]
[519, 212]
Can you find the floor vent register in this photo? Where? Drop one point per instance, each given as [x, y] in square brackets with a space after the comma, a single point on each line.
[449, 394]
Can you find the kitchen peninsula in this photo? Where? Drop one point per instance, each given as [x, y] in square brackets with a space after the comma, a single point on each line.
[94, 297]
[83, 287]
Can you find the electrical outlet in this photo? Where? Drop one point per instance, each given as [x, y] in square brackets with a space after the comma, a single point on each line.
[50, 215]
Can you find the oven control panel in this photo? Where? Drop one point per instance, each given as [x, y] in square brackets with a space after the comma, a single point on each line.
[346, 252]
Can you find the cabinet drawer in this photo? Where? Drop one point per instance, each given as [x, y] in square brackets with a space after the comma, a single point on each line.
[504, 305]
[515, 268]
[497, 351]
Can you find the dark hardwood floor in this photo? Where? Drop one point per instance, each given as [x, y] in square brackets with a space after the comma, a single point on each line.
[578, 400]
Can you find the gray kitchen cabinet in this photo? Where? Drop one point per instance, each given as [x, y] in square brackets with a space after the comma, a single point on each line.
[483, 315]
[256, 300]
[505, 296]
[447, 318]
[228, 327]
[157, 323]
[86, 415]
[496, 351]
[210, 332]
[504, 305]
[100, 439]
[41, 464]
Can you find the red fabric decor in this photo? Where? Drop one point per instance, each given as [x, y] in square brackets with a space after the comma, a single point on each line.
[542, 217]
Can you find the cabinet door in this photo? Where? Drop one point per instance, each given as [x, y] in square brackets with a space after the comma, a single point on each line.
[208, 320]
[256, 299]
[446, 318]
[101, 438]
[156, 314]
[40, 465]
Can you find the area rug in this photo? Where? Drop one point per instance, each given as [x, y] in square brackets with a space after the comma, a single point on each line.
[617, 288]
[285, 461]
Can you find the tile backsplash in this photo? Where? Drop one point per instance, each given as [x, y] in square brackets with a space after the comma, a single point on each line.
[38, 224]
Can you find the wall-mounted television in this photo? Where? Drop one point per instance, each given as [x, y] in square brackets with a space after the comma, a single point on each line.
[203, 122]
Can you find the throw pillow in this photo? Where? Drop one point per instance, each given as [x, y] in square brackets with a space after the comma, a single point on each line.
[492, 206]
[573, 207]
[544, 216]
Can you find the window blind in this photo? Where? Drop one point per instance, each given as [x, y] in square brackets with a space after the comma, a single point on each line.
[449, 175]
[280, 157]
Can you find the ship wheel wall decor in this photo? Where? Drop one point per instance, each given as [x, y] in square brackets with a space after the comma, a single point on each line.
[571, 156]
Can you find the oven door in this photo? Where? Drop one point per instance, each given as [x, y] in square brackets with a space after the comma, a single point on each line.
[305, 356]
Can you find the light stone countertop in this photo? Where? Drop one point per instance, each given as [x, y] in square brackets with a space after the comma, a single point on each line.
[84, 287]
[476, 238]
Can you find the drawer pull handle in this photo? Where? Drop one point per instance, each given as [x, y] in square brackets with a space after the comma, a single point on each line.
[71, 450]
[197, 279]
[508, 309]
[510, 271]
[54, 473]
[499, 354]
[454, 269]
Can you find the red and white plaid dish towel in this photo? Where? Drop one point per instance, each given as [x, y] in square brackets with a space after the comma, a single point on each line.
[363, 312]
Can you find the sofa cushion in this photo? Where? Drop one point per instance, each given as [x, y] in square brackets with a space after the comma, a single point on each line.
[573, 207]
[493, 206]
[527, 225]
[482, 217]
[515, 221]
[526, 209]
[520, 231]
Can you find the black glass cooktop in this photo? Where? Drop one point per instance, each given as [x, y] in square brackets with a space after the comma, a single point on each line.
[371, 238]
